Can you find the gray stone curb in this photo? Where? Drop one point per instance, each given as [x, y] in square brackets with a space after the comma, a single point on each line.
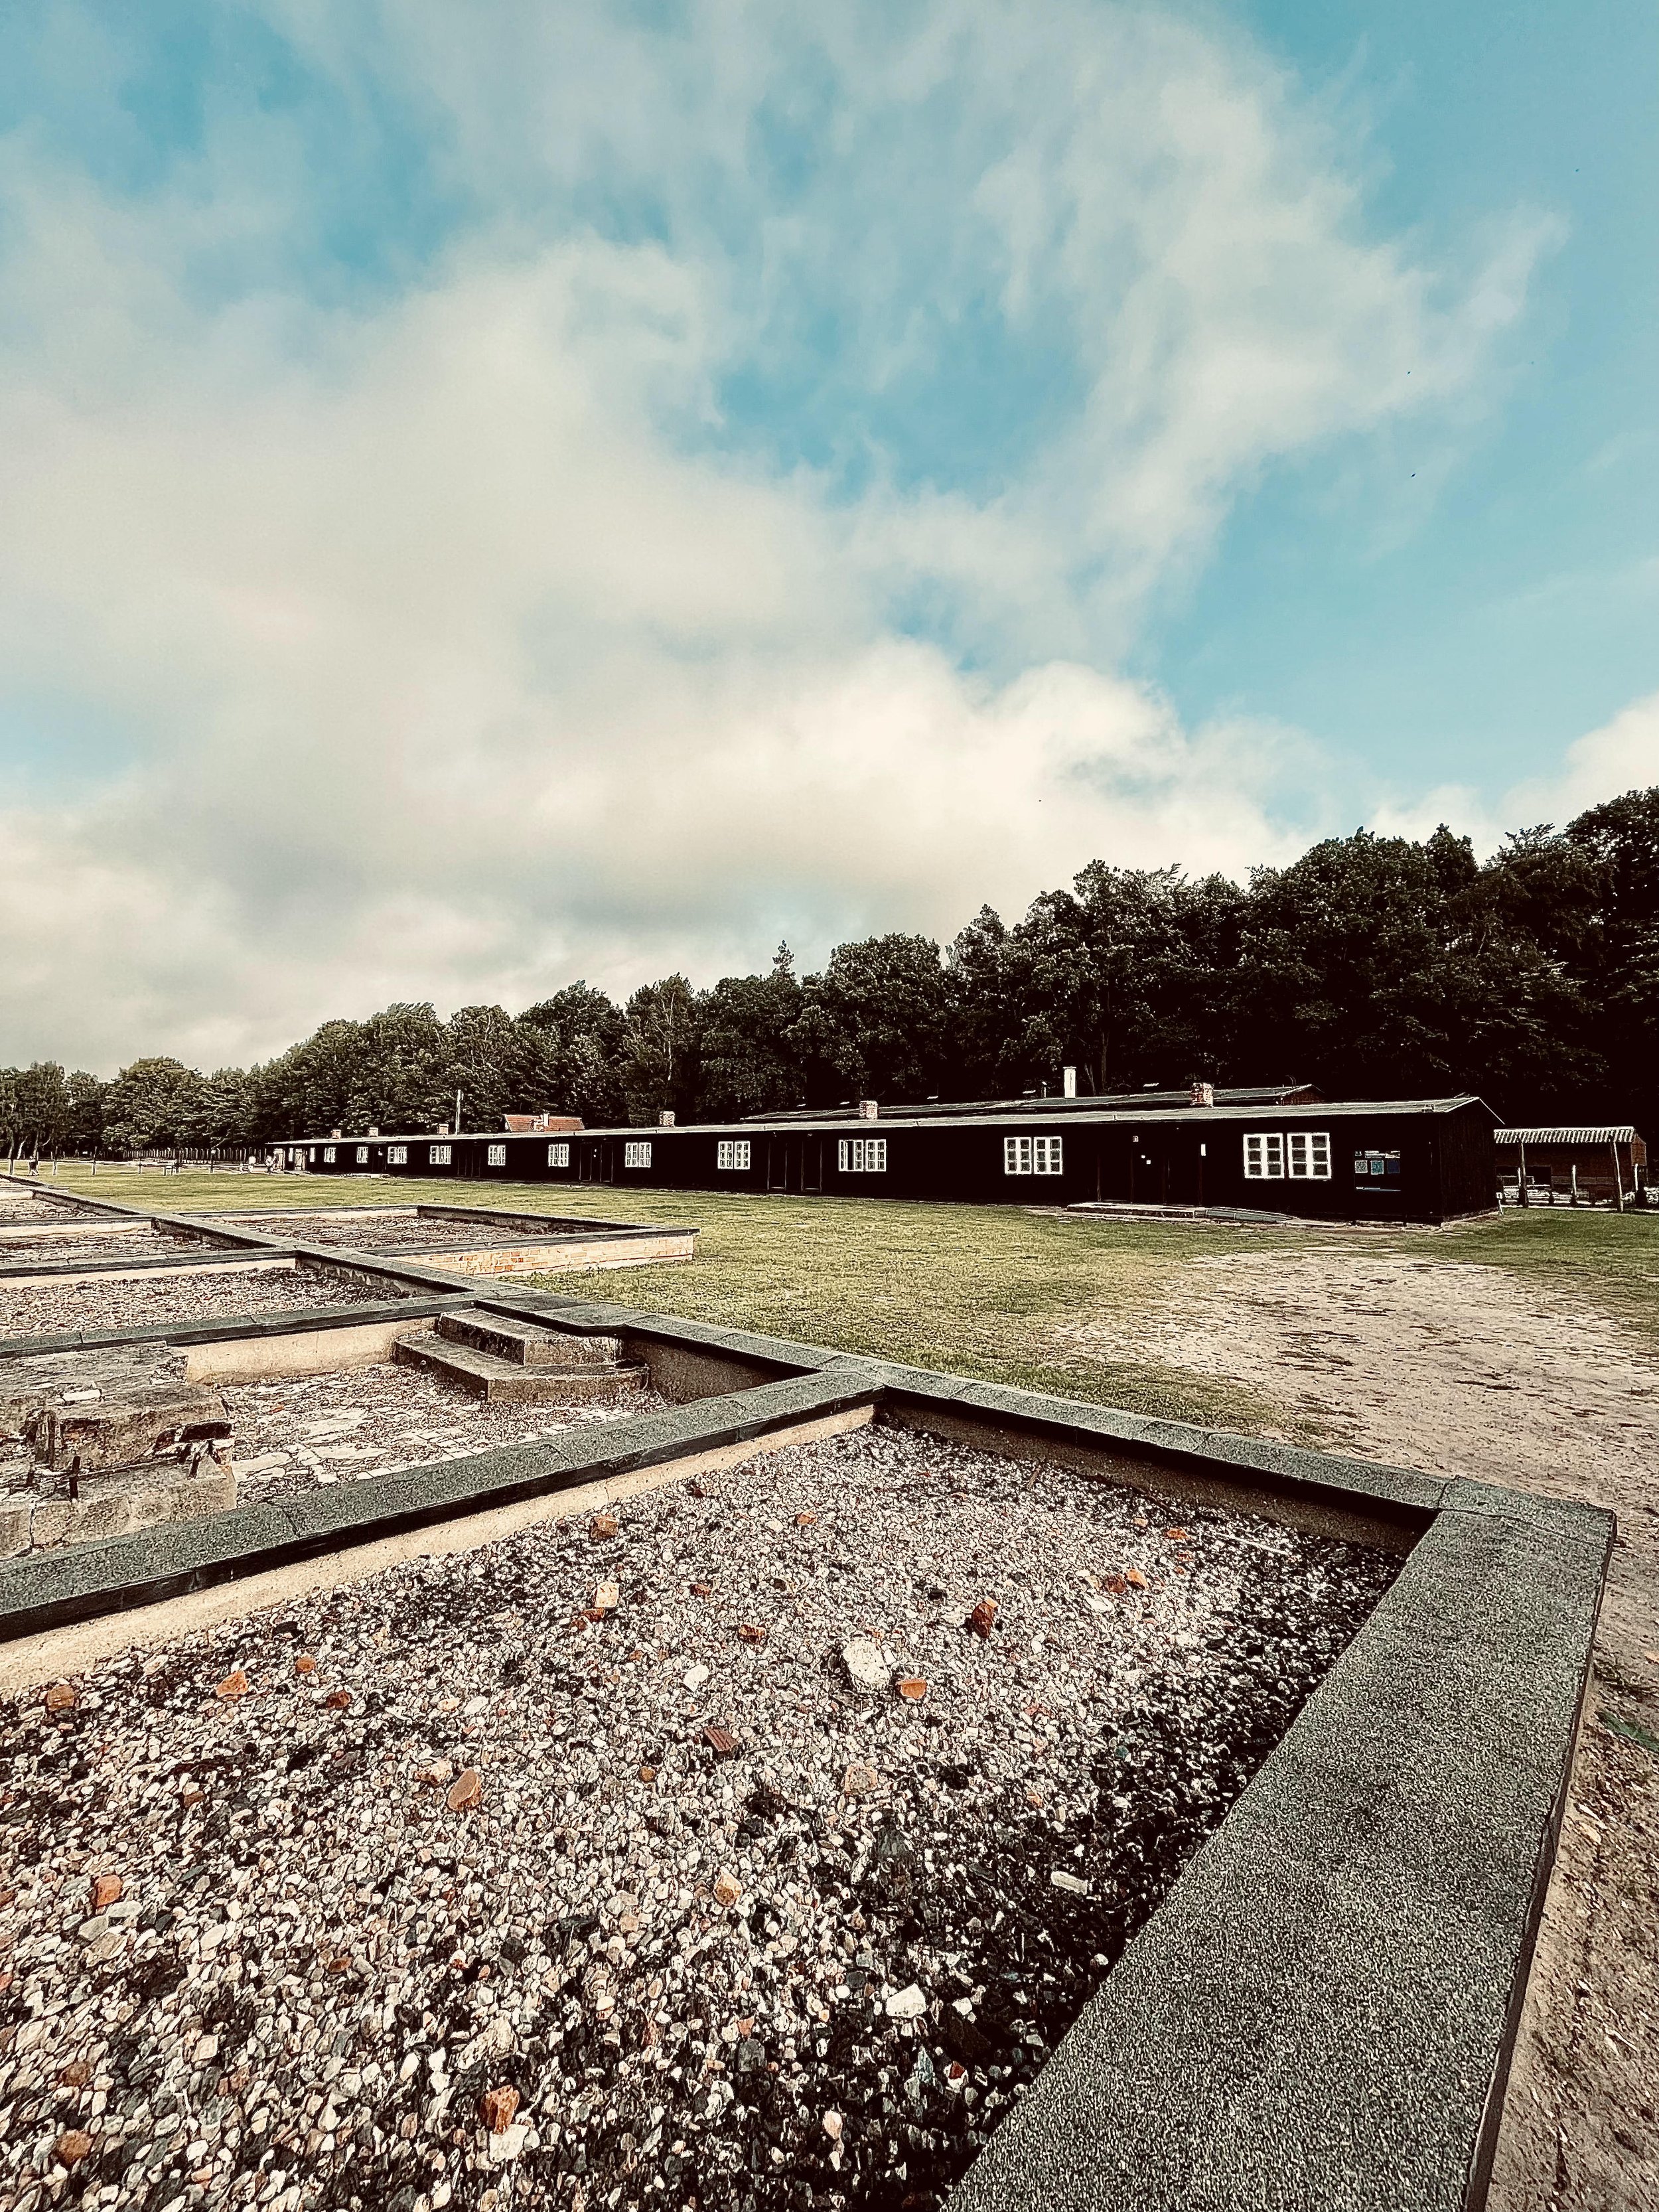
[54, 1589]
[1321, 2012]
[296, 1320]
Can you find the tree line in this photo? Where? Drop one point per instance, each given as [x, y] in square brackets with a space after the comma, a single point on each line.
[1374, 967]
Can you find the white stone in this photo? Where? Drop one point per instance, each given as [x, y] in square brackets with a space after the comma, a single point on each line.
[865, 1667]
[907, 2004]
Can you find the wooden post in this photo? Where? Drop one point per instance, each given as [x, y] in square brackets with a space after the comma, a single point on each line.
[1617, 1178]
[1521, 1178]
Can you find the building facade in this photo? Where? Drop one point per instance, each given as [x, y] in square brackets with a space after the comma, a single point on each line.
[1397, 1160]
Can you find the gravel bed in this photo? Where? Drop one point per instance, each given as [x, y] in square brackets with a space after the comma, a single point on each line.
[17, 1205]
[126, 1247]
[400, 1230]
[90, 1303]
[577, 1871]
[295, 1434]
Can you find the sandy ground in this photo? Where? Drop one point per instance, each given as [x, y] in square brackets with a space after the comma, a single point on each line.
[1461, 1370]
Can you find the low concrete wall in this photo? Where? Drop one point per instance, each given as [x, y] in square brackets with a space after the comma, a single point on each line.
[564, 1256]
[303, 1351]
[685, 1373]
[105, 1271]
[29, 1661]
[1343, 1515]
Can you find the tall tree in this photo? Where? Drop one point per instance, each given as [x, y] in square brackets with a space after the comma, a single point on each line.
[660, 1050]
[154, 1105]
[875, 1020]
[746, 1061]
[577, 1035]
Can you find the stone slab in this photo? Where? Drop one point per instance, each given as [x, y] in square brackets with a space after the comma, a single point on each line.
[528, 1343]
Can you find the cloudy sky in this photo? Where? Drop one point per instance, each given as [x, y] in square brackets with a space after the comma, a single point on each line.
[492, 493]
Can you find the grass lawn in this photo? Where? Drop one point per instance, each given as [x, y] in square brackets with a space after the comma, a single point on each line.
[1610, 1260]
[976, 1289]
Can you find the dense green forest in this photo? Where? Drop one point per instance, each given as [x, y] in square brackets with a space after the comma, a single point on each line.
[1376, 967]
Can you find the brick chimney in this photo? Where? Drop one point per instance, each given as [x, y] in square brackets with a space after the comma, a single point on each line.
[869, 1109]
[1201, 1094]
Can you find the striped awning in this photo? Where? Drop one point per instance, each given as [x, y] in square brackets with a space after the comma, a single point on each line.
[1622, 1135]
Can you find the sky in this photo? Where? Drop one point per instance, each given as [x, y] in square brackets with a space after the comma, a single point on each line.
[496, 494]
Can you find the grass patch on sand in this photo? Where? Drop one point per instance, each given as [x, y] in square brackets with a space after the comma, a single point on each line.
[1609, 1260]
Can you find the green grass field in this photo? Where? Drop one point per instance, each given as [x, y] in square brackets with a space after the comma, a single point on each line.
[976, 1290]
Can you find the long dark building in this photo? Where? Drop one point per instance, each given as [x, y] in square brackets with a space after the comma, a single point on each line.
[1417, 1159]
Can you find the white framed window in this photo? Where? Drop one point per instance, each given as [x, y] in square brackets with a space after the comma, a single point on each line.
[863, 1155]
[558, 1156]
[437, 1156]
[363, 1156]
[296, 1157]
[1025, 1156]
[314, 1155]
[328, 1156]
[397, 1156]
[1264, 1156]
[1310, 1152]
[497, 1156]
[732, 1154]
[637, 1156]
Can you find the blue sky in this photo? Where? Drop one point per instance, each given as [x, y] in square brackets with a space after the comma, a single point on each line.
[500, 495]
[1513, 603]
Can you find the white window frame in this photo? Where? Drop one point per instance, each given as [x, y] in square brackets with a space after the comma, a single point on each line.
[863, 1155]
[363, 1156]
[496, 1156]
[636, 1155]
[397, 1156]
[1264, 1156]
[733, 1155]
[1307, 1155]
[439, 1155]
[558, 1156]
[328, 1156]
[1033, 1156]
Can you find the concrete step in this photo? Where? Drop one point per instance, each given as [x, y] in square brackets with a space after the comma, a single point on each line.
[526, 1345]
[505, 1382]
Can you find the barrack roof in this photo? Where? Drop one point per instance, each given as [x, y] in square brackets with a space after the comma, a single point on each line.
[1119, 1116]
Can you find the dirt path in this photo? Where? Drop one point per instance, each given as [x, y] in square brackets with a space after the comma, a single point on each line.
[1461, 1370]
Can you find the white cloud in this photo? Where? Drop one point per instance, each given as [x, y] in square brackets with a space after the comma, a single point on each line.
[453, 642]
[1622, 755]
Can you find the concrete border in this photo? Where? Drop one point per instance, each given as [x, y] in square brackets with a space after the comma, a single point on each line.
[46, 1657]
[47, 1591]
